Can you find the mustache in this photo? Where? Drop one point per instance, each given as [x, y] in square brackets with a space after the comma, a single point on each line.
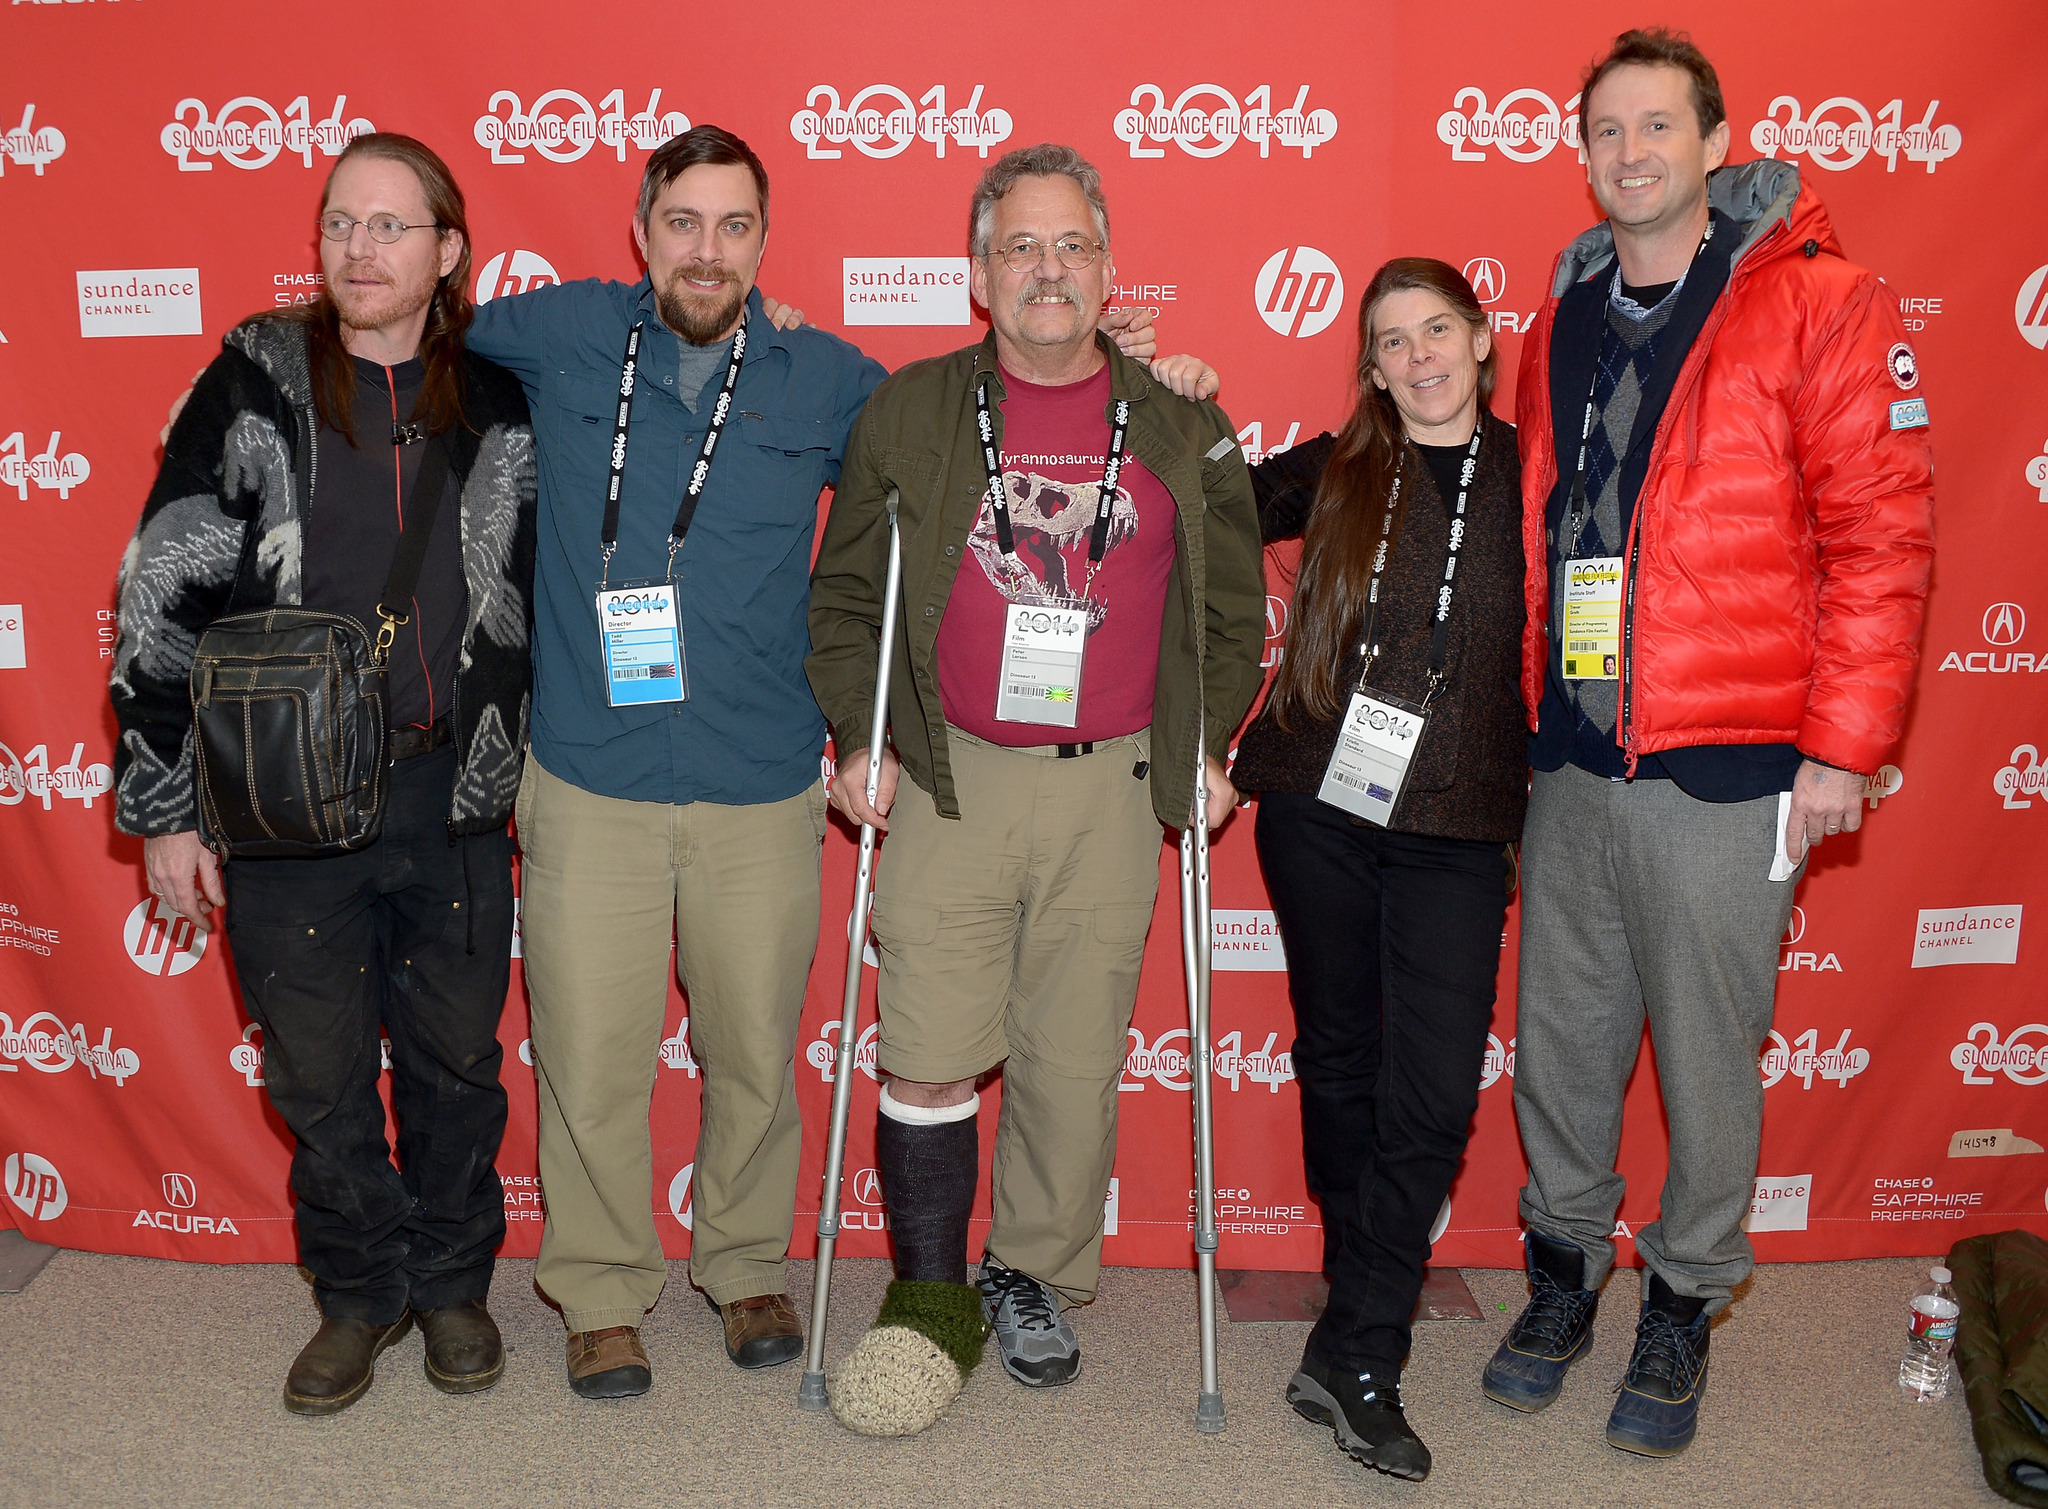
[1041, 288]
[703, 272]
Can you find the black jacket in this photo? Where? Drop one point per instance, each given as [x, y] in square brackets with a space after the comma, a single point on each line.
[1470, 779]
[221, 533]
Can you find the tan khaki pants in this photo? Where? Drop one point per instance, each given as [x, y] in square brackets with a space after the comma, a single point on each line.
[604, 881]
[1015, 936]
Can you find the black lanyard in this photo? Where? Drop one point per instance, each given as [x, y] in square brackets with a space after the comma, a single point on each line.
[1440, 633]
[687, 509]
[999, 493]
[1579, 508]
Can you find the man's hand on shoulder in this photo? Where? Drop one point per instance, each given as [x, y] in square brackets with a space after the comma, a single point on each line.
[1132, 331]
[782, 316]
[1189, 376]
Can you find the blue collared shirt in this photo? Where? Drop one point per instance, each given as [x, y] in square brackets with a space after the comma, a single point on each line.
[750, 731]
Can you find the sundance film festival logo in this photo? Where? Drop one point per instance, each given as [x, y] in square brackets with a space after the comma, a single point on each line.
[29, 145]
[160, 942]
[2021, 781]
[1805, 1060]
[139, 301]
[881, 121]
[54, 1048]
[1526, 126]
[35, 1186]
[246, 1057]
[249, 133]
[1207, 121]
[1299, 291]
[563, 126]
[50, 469]
[514, 272]
[1840, 133]
[1984, 1053]
[30, 777]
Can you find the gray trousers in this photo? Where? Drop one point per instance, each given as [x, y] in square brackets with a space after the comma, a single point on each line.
[1638, 900]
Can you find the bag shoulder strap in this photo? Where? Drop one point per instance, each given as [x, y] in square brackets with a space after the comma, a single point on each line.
[428, 483]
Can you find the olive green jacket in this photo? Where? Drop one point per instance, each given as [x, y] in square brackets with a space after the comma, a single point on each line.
[917, 439]
[2001, 1280]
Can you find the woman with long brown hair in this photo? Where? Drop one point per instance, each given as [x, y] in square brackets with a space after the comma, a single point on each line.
[1389, 765]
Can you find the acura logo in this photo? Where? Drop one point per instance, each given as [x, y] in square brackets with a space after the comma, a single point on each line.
[180, 1191]
[1276, 616]
[2030, 310]
[867, 1187]
[2004, 623]
[1796, 929]
[1488, 278]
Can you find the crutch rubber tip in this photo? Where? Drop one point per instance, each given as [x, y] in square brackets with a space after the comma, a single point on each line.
[810, 1394]
[1209, 1414]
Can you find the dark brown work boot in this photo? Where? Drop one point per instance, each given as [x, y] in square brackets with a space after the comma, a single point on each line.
[336, 1366]
[761, 1330]
[608, 1364]
[465, 1354]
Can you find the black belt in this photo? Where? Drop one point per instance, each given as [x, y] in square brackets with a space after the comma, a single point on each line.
[410, 743]
[1074, 751]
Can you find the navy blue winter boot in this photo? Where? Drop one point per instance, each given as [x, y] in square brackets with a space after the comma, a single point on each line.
[1552, 1332]
[1657, 1407]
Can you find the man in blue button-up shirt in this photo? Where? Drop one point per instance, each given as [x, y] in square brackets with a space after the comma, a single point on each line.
[704, 816]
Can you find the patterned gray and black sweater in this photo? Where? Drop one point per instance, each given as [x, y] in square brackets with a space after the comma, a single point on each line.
[221, 533]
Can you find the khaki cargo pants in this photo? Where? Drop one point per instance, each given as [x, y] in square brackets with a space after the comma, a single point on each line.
[1014, 936]
[605, 884]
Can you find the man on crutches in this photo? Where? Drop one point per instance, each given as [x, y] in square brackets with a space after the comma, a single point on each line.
[1082, 609]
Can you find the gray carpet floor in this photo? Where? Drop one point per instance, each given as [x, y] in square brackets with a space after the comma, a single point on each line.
[129, 1381]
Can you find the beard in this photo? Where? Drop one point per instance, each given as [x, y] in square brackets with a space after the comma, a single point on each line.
[700, 318]
[374, 308]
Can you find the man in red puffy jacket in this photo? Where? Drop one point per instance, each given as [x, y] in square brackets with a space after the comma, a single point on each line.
[1727, 500]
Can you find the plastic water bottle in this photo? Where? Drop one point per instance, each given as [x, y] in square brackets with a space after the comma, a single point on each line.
[1925, 1371]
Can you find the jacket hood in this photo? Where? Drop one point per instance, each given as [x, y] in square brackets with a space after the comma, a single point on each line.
[1755, 195]
[278, 346]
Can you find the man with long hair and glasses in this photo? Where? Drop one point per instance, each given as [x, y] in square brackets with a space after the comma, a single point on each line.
[285, 483]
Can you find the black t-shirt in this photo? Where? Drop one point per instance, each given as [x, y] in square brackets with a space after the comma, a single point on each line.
[1650, 295]
[1445, 462]
[352, 527]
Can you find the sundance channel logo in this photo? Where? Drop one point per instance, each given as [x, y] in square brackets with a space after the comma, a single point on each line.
[139, 301]
[905, 290]
[1967, 935]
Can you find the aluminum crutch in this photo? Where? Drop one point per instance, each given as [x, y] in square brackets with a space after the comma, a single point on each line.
[811, 1391]
[1194, 942]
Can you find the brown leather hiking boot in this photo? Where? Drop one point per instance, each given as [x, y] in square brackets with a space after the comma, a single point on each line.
[609, 1364]
[465, 1354]
[337, 1366]
[761, 1330]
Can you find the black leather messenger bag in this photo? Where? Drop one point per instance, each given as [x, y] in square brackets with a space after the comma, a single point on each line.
[290, 711]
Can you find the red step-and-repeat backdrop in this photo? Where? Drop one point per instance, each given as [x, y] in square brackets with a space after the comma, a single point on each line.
[159, 173]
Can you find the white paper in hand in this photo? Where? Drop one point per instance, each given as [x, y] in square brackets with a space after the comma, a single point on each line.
[1782, 863]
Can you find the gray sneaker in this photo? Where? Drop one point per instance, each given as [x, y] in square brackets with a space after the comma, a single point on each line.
[1038, 1346]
